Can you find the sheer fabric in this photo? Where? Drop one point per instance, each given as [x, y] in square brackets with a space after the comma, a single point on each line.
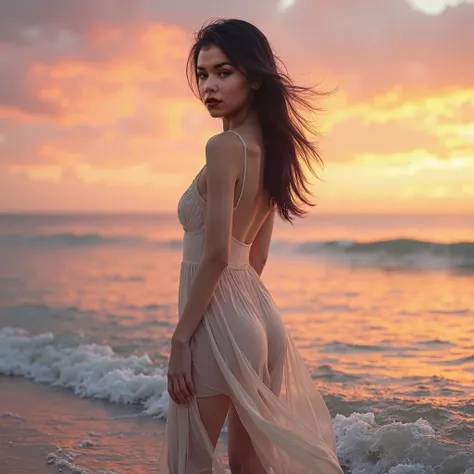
[242, 349]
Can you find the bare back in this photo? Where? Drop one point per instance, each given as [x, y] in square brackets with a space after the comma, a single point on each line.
[251, 204]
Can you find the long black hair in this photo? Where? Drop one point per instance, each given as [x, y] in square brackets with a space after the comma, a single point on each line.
[278, 103]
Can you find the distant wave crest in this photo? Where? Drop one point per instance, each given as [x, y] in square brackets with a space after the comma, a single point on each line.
[396, 247]
[394, 253]
[402, 253]
[70, 239]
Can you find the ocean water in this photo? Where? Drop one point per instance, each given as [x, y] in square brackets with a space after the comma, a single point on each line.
[381, 308]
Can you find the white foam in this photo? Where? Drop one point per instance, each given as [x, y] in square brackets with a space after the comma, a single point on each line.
[411, 469]
[90, 370]
[87, 443]
[396, 448]
[11, 415]
[63, 459]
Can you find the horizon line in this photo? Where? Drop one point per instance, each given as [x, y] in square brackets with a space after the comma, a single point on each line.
[172, 213]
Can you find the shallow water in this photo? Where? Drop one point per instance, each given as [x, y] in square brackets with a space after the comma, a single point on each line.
[385, 325]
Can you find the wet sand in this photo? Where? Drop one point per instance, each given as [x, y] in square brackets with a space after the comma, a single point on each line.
[38, 421]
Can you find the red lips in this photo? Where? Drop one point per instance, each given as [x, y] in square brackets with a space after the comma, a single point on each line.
[212, 101]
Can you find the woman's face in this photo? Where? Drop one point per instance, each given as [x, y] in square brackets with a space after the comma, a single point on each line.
[223, 89]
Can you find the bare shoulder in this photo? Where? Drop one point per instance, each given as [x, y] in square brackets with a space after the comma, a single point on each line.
[224, 149]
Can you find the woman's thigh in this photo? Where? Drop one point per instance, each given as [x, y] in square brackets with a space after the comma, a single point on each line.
[212, 411]
[242, 456]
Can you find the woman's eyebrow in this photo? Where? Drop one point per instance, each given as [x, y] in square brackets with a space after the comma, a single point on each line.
[216, 66]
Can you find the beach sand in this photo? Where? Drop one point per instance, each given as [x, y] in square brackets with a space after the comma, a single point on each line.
[37, 420]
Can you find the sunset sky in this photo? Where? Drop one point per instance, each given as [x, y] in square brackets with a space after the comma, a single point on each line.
[96, 113]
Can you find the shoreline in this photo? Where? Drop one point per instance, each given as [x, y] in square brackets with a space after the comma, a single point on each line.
[39, 422]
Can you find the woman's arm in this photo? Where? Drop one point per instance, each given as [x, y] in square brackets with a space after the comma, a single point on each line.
[223, 162]
[261, 245]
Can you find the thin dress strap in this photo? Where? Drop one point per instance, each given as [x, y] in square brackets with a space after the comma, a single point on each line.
[245, 167]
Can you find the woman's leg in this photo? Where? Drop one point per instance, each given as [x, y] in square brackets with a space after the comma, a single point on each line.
[242, 456]
[212, 411]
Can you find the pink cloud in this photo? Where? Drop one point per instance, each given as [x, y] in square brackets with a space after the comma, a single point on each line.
[372, 46]
[103, 83]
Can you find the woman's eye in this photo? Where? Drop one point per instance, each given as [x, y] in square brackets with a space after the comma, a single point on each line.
[201, 76]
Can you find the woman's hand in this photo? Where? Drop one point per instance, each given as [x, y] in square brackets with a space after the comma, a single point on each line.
[180, 385]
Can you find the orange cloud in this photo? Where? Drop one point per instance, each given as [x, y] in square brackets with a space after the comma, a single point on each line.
[94, 97]
[77, 90]
[125, 111]
[389, 123]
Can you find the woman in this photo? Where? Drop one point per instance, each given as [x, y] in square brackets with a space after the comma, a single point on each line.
[231, 355]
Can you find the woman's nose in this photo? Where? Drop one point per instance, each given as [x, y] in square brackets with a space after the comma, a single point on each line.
[211, 84]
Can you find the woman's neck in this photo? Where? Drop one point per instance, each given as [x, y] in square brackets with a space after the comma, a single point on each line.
[243, 117]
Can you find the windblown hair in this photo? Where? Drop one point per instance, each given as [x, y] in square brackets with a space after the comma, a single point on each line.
[279, 104]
